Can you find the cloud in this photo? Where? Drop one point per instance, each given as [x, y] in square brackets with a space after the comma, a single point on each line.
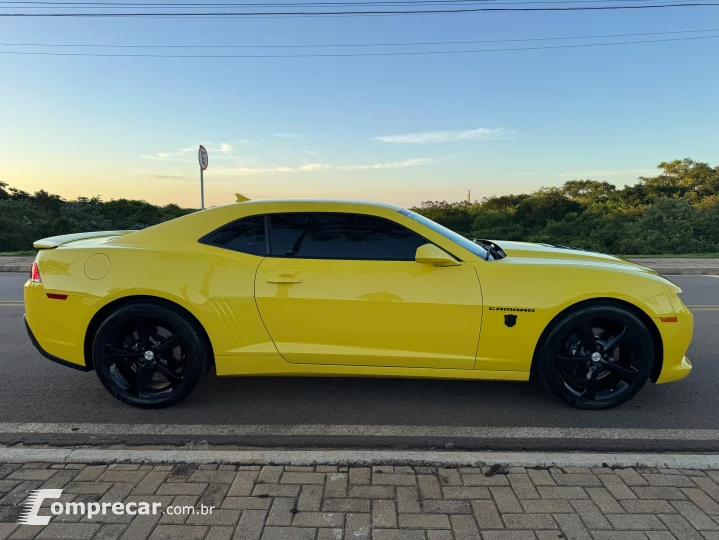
[183, 154]
[315, 167]
[588, 174]
[428, 137]
[289, 135]
[606, 172]
[390, 165]
[176, 157]
[166, 176]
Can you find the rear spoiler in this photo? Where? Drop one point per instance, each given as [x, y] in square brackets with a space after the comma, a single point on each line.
[55, 241]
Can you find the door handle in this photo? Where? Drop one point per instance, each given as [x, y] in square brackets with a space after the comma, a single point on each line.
[284, 278]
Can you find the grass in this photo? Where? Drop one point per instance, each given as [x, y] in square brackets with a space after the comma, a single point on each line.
[28, 253]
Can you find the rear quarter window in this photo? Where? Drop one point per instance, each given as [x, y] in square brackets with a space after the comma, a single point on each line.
[246, 235]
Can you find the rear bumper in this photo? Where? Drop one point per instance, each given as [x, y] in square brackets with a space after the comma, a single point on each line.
[47, 354]
[58, 327]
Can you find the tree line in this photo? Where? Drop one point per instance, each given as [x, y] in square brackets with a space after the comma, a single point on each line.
[676, 211]
[25, 218]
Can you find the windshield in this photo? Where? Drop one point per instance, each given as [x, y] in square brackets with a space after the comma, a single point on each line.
[467, 244]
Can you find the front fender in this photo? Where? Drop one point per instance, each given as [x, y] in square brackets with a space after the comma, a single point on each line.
[535, 291]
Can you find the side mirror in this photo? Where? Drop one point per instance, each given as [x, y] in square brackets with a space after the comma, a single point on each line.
[431, 254]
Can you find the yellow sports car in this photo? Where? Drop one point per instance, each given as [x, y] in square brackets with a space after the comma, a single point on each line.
[342, 288]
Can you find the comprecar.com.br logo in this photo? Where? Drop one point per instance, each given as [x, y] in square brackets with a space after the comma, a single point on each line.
[31, 513]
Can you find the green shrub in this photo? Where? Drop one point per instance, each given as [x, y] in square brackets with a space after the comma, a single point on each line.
[674, 212]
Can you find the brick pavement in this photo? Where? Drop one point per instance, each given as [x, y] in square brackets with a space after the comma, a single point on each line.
[372, 503]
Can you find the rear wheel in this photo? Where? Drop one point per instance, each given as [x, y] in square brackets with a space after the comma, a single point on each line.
[149, 355]
[596, 357]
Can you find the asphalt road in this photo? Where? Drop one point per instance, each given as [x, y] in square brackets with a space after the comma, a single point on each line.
[41, 402]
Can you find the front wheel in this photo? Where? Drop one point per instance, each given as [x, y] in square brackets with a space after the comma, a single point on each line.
[149, 355]
[596, 357]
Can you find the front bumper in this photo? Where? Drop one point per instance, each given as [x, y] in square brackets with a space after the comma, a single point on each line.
[676, 337]
[675, 372]
[47, 354]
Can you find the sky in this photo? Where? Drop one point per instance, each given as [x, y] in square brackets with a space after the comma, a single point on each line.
[401, 129]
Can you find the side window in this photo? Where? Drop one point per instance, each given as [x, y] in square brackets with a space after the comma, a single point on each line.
[341, 236]
[246, 235]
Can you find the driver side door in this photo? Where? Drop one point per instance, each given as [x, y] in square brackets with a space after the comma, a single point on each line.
[344, 289]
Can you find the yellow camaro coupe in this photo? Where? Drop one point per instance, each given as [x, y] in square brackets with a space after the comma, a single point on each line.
[342, 288]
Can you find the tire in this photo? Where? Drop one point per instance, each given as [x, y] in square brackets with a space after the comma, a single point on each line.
[149, 355]
[601, 370]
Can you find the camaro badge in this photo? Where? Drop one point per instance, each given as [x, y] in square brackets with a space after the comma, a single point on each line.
[510, 320]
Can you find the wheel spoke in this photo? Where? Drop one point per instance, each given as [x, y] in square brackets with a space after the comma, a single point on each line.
[590, 387]
[568, 361]
[624, 336]
[142, 375]
[139, 324]
[588, 338]
[145, 357]
[168, 345]
[173, 378]
[115, 352]
[594, 360]
[628, 375]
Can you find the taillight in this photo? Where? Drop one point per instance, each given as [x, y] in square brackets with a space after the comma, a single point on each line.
[35, 274]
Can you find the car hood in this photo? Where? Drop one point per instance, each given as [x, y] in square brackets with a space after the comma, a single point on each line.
[528, 250]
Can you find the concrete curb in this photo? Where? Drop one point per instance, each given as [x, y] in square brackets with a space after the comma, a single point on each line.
[358, 457]
[16, 268]
[687, 271]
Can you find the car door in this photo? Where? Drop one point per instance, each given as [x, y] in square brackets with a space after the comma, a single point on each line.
[344, 289]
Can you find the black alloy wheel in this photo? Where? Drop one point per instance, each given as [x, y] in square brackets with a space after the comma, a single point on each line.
[149, 355]
[597, 357]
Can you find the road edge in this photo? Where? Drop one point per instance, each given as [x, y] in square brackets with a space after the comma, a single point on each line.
[359, 457]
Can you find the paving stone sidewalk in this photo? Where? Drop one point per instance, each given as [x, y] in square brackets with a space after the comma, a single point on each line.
[377, 503]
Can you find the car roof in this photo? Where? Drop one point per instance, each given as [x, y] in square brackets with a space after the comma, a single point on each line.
[308, 202]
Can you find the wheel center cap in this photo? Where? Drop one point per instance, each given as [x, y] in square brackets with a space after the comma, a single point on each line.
[596, 357]
[149, 355]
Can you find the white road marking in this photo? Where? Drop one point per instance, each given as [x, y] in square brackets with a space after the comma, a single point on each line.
[364, 457]
[328, 430]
